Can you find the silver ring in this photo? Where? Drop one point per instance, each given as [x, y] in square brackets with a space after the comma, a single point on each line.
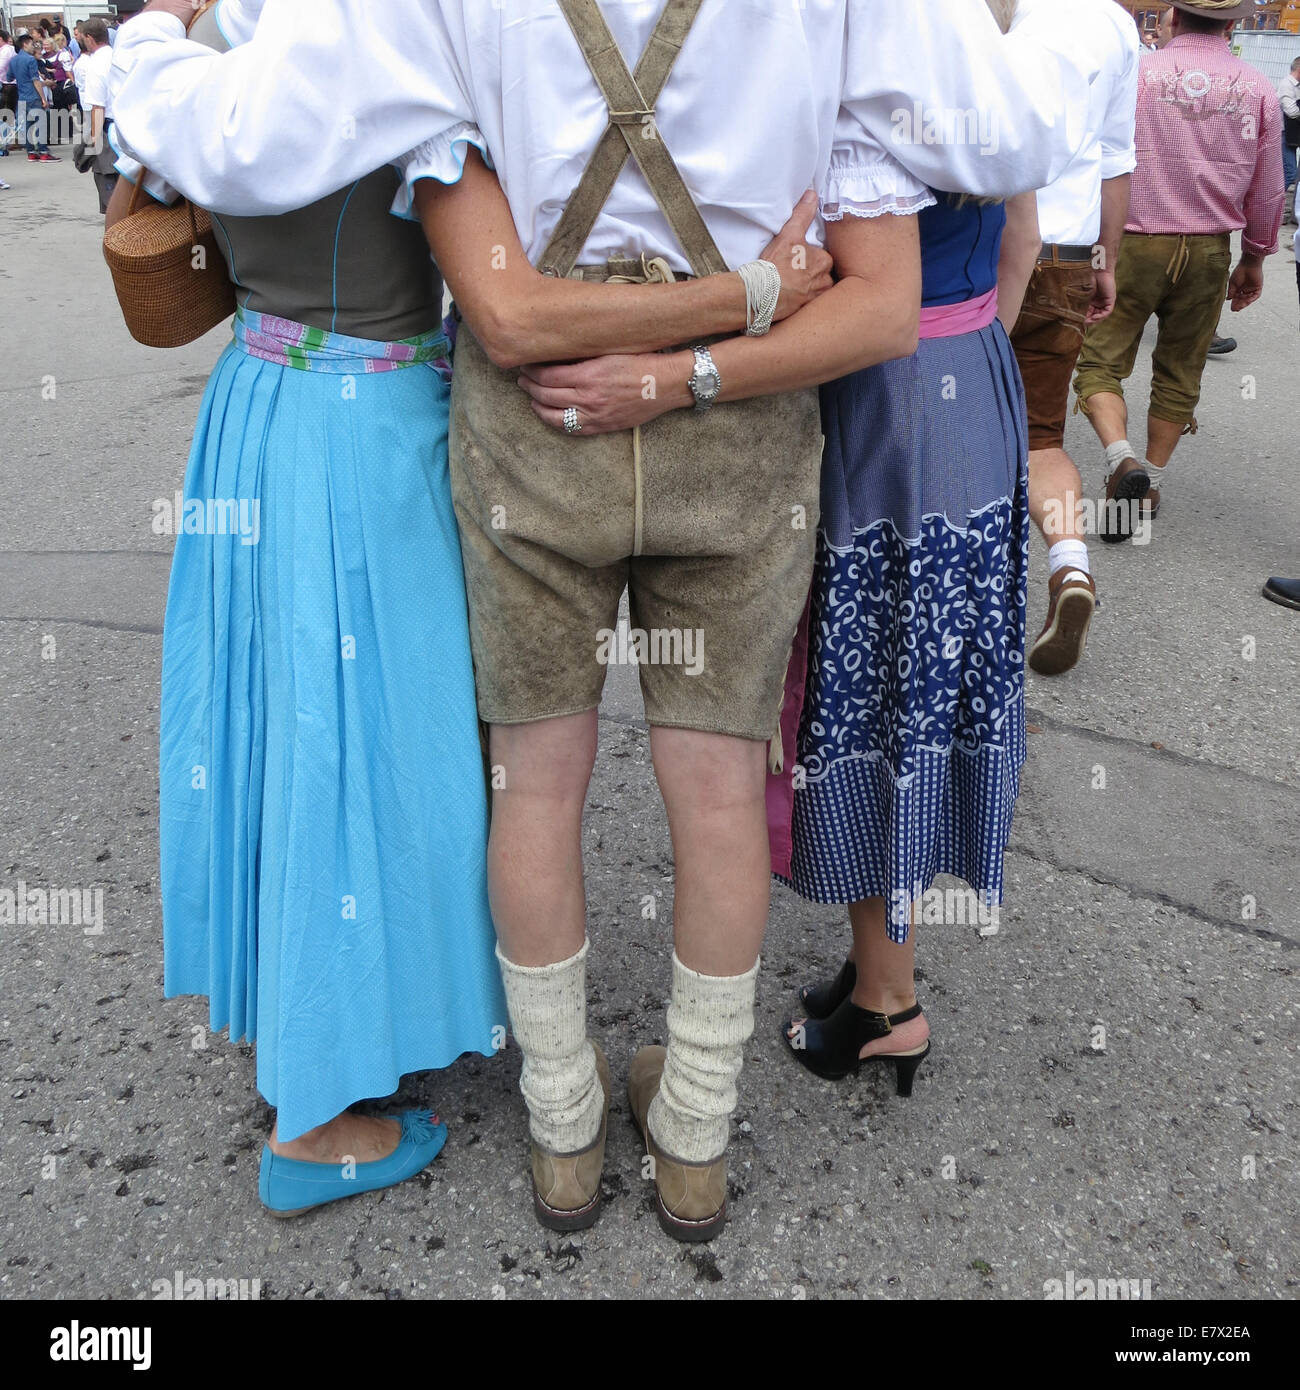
[572, 425]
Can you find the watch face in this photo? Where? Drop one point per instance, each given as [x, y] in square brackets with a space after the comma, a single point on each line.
[707, 382]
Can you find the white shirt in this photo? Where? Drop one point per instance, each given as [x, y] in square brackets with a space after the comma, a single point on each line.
[1288, 91]
[1069, 210]
[7, 51]
[96, 89]
[749, 115]
[79, 77]
[236, 20]
[755, 112]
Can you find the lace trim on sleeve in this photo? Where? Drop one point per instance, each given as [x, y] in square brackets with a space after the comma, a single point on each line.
[873, 190]
[441, 157]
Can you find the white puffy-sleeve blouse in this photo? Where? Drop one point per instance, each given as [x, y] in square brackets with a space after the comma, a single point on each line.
[316, 97]
[963, 107]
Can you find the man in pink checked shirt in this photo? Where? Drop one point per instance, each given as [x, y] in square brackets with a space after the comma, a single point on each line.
[1209, 150]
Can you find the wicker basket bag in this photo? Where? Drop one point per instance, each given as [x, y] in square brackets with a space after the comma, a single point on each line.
[170, 278]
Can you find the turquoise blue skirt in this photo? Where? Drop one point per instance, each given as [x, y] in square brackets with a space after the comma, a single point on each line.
[323, 808]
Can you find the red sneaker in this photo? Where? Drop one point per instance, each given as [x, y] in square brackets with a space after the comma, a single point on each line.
[48, 158]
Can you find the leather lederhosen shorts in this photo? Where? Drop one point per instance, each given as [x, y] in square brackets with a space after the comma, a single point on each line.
[1047, 339]
[708, 520]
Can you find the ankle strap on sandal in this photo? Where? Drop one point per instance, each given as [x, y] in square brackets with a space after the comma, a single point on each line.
[884, 1024]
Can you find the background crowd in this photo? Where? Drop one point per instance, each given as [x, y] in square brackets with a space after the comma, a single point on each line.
[54, 90]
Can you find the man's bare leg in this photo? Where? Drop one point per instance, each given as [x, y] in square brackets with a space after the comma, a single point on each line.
[1162, 440]
[1055, 490]
[713, 787]
[535, 878]
[535, 883]
[1108, 415]
[1125, 500]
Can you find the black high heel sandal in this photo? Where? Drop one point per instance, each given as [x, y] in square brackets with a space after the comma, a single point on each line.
[822, 1000]
[829, 1047]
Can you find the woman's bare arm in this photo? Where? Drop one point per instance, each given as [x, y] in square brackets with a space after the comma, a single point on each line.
[871, 316]
[1021, 244]
[520, 315]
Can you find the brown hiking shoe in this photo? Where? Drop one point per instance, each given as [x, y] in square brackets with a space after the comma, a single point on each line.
[691, 1197]
[566, 1187]
[1065, 633]
[1125, 489]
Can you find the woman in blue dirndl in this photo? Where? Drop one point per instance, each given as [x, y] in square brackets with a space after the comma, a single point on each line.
[323, 809]
[906, 699]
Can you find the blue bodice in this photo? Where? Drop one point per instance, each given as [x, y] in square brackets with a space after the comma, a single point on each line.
[959, 250]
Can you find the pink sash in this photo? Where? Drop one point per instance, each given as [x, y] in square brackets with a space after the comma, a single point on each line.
[952, 320]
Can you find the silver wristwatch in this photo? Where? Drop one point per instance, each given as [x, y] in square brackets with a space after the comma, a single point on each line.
[706, 383]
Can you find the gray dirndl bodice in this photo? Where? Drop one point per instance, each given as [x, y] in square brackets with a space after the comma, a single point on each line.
[344, 264]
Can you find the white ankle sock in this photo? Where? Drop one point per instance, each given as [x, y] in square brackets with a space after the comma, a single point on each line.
[548, 1015]
[1068, 554]
[1159, 476]
[710, 1018]
[1116, 454]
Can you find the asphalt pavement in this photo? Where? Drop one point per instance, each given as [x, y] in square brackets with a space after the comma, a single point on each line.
[1113, 1088]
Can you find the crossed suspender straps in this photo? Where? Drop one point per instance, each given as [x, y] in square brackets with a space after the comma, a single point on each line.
[631, 130]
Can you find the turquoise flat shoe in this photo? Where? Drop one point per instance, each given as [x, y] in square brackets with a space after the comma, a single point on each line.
[288, 1186]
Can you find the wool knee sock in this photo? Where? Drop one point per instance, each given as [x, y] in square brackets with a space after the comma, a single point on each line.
[1159, 476]
[710, 1018]
[548, 1015]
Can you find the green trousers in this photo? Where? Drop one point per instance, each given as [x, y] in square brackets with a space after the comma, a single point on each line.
[1182, 280]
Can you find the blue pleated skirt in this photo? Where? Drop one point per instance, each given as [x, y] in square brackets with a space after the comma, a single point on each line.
[323, 808]
[912, 735]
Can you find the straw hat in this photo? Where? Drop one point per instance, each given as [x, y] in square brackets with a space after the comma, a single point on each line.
[1217, 9]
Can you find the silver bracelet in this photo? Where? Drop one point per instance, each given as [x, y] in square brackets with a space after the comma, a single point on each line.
[762, 294]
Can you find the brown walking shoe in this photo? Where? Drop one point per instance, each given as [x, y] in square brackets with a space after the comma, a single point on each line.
[566, 1187]
[1065, 633]
[1126, 488]
[691, 1197]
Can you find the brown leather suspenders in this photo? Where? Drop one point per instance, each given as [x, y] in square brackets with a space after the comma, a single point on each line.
[631, 130]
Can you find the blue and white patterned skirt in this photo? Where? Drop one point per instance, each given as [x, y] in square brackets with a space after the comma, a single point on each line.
[912, 735]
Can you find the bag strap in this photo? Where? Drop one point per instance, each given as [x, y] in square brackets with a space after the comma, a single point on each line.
[631, 130]
[133, 205]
